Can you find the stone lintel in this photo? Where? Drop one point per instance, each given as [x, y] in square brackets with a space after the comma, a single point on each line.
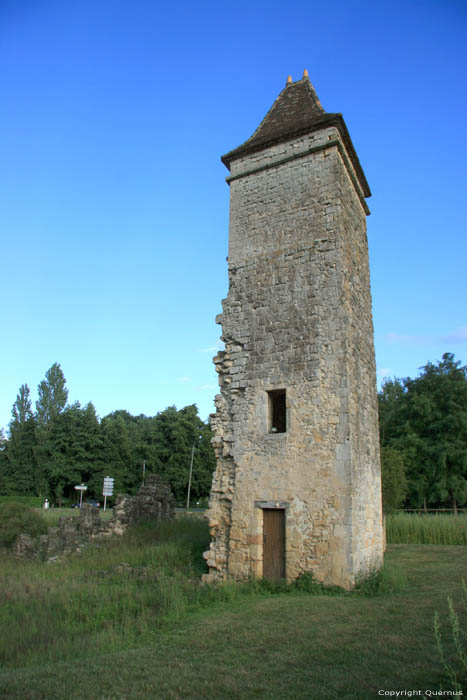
[280, 505]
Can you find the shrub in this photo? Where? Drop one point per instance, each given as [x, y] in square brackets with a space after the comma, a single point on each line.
[16, 519]
[379, 581]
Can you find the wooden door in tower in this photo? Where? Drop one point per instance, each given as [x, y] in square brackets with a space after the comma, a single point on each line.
[273, 544]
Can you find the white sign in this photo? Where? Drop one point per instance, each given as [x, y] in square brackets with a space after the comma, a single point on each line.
[108, 489]
[81, 488]
[108, 486]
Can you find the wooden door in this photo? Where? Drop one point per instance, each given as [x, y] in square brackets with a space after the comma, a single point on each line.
[273, 544]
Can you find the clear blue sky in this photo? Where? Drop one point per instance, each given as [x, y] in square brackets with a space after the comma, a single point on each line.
[113, 204]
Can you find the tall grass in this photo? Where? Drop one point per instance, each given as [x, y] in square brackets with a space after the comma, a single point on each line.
[109, 597]
[411, 528]
[53, 515]
[121, 594]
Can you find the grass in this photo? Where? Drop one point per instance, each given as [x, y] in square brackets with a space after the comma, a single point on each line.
[408, 528]
[131, 620]
[52, 515]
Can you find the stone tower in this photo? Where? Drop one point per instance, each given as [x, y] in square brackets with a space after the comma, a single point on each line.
[297, 486]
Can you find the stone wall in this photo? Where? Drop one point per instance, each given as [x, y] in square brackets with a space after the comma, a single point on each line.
[154, 501]
[297, 318]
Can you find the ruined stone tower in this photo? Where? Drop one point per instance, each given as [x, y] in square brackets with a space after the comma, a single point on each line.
[297, 485]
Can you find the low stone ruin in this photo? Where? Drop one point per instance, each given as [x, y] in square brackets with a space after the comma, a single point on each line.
[154, 501]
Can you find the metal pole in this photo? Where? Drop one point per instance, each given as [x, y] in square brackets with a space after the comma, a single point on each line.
[144, 471]
[81, 497]
[189, 480]
[105, 500]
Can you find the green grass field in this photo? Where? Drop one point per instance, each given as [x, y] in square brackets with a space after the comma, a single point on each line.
[131, 620]
[54, 514]
[410, 528]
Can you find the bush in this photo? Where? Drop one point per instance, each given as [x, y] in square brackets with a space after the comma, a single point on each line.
[379, 581]
[16, 519]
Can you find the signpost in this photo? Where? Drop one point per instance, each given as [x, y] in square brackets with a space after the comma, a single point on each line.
[81, 488]
[108, 488]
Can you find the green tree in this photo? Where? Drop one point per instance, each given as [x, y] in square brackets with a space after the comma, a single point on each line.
[438, 416]
[116, 458]
[393, 481]
[174, 434]
[393, 410]
[53, 395]
[22, 408]
[4, 464]
[71, 449]
[21, 471]
[425, 420]
[52, 398]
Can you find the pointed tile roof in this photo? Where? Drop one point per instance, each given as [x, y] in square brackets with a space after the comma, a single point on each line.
[296, 111]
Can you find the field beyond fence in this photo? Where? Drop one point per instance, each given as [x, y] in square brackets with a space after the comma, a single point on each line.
[435, 528]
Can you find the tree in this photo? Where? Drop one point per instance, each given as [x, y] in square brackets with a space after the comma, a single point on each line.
[438, 416]
[116, 457]
[392, 408]
[22, 408]
[4, 481]
[53, 395]
[21, 471]
[393, 481]
[174, 434]
[425, 420]
[71, 449]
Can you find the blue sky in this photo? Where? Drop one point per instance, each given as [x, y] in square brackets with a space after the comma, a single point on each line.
[113, 203]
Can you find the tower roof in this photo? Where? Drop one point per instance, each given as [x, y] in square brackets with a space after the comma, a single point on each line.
[296, 111]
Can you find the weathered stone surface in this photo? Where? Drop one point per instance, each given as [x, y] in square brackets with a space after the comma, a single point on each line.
[297, 318]
[154, 501]
[25, 546]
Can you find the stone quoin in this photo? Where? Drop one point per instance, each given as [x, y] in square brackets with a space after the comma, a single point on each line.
[297, 486]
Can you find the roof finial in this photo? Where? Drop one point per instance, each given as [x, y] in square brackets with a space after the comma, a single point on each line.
[289, 80]
[305, 74]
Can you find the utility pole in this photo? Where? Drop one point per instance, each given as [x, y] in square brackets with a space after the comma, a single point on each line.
[189, 480]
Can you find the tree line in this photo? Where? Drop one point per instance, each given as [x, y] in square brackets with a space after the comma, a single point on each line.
[423, 434]
[59, 445]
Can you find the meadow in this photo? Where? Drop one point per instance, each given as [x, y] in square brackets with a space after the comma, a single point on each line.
[435, 528]
[53, 515]
[131, 619]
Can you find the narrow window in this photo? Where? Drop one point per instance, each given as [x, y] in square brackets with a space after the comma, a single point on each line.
[277, 412]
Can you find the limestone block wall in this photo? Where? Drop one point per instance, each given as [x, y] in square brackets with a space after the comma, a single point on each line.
[297, 317]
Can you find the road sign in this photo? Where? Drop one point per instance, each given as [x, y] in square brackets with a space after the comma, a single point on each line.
[108, 488]
[81, 488]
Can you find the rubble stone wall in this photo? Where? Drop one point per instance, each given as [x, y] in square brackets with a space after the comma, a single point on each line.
[154, 501]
